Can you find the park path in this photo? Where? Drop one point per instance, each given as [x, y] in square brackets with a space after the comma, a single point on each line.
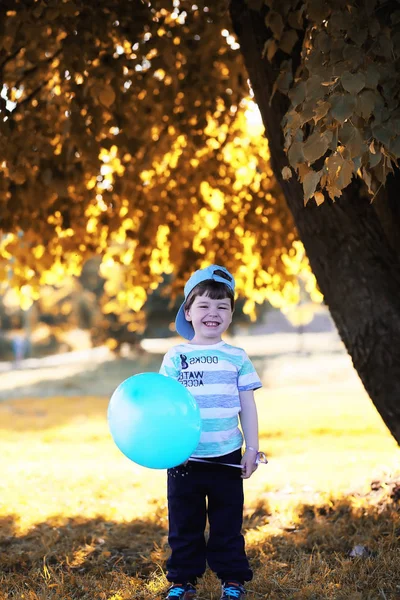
[284, 359]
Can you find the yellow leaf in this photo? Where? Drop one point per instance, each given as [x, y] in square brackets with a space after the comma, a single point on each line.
[286, 173]
[107, 95]
[310, 182]
[319, 198]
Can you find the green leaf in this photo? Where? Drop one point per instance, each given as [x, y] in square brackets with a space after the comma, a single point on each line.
[345, 174]
[315, 146]
[284, 79]
[314, 88]
[295, 154]
[338, 21]
[374, 159]
[395, 125]
[310, 183]
[384, 47]
[255, 4]
[358, 34]
[291, 121]
[353, 82]
[288, 40]
[353, 56]
[274, 21]
[323, 42]
[351, 137]
[334, 142]
[366, 175]
[343, 106]
[382, 133]
[295, 18]
[365, 103]
[374, 27]
[318, 11]
[297, 93]
[270, 48]
[321, 110]
[395, 147]
[370, 6]
[396, 44]
[372, 76]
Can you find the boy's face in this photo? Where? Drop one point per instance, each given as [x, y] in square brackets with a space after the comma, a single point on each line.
[210, 318]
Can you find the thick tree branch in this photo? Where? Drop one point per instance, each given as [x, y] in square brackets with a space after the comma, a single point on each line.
[10, 58]
[30, 96]
[34, 69]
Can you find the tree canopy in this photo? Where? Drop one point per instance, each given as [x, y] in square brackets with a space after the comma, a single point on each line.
[344, 113]
[127, 132]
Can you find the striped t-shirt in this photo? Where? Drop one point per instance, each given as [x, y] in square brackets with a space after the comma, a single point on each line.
[215, 375]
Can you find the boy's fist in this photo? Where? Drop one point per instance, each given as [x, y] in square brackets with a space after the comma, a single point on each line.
[249, 463]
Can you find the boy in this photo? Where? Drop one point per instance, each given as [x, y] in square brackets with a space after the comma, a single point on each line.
[222, 379]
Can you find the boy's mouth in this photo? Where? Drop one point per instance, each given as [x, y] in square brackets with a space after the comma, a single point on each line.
[211, 323]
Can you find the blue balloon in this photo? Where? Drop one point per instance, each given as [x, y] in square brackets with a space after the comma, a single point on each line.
[154, 420]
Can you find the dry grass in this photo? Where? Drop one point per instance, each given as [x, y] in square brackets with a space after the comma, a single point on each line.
[79, 521]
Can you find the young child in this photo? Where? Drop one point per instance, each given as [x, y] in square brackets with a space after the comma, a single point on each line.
[222, 379]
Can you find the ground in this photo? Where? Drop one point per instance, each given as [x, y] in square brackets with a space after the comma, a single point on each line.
[80, 521]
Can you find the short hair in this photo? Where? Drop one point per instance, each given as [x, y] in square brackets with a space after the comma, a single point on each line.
[213, 289]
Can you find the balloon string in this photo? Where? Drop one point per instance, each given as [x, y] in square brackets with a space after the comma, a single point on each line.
[210, 462]
[260, 459]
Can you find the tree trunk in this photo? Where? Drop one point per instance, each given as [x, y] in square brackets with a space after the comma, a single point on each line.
[356, 267]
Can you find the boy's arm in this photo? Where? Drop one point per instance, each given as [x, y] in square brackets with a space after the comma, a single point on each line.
[249, 423]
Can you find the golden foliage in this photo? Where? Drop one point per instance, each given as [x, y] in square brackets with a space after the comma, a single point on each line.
[130, 139]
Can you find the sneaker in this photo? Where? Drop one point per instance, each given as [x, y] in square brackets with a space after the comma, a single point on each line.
[178, 591]
[232, 590]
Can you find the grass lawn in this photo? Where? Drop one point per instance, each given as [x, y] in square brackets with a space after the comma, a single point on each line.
[80, 521]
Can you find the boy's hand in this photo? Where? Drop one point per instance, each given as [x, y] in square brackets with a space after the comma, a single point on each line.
[249, 463]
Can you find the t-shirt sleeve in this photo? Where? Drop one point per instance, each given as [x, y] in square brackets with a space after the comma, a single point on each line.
[168, 366]
[248, 378]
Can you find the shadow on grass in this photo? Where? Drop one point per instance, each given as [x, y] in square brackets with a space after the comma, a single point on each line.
[95, 558]
[81, 545]
[346, 548]
[80, 558]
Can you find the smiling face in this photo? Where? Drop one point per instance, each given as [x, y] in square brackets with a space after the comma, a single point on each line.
[210, 318]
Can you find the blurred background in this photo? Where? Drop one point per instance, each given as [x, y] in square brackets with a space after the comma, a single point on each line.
[74, 322]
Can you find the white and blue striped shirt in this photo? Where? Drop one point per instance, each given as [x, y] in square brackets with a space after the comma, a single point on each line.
[214, 375]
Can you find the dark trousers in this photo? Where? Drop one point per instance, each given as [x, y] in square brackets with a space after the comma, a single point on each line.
[196, 491]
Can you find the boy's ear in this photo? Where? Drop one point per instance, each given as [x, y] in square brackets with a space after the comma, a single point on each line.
[187, 314]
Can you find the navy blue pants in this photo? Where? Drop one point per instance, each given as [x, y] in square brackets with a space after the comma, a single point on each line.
[195, 491]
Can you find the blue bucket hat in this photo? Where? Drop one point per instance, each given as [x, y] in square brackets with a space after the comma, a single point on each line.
[214, 272]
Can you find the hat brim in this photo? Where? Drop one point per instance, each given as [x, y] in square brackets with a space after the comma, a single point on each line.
[182, 325]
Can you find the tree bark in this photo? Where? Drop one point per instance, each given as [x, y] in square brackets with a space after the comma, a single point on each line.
[356, 266]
